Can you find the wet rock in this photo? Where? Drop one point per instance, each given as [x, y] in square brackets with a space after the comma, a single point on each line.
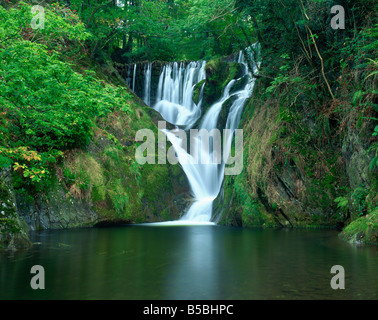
[13, 232]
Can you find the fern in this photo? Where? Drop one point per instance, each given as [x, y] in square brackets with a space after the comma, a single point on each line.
[342, 202]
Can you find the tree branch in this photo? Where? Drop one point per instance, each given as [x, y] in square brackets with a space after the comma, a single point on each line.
[95, 10]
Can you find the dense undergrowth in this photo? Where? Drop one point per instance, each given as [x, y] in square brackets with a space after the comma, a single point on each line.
[47, 107]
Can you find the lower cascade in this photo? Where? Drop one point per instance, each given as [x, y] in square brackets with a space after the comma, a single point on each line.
[174, 101]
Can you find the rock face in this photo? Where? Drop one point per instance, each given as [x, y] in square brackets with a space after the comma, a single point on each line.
[363, 230]
[12, 231]
[56, 211]
[357, 159]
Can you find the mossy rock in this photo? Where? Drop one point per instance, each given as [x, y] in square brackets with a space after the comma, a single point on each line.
[223, 114]
[236, 206]
[197, 91]
[236, 71]
[217, 73]
[239, 84]
[13, 233]
[364, 230]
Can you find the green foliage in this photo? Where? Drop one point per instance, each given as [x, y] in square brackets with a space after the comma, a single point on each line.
[139, 30]
[374, 161]
[363, 229]
[374, 147]
[359, 200]
[46, 107]
[342, 202]
[215, 25]
[63, 30]
[5, 162]
[9, 226]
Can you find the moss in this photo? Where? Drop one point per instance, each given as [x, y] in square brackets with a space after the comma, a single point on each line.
[223, 114]
[165, 214]
[236, 71]
[364, 230]
[119, 188]
[247, 208]
[239, 84]
[83, 173]
[98, 194]
[197, 91]
[217, 73]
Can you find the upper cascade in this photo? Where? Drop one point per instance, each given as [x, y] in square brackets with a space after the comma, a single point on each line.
[174, 98]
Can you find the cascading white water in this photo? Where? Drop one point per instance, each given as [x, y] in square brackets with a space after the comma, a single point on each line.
[134, 75]
[147, 84]
[174, 98]
[128, 78]
[174, 102]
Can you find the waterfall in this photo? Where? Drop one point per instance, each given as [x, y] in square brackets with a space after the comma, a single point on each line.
[128, 77]
[147, 84]
[174, 101]
[134, 75]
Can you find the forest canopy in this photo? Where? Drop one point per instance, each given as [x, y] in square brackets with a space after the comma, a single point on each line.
[139, 30]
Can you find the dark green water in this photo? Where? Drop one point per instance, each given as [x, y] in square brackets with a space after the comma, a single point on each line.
[203, 262]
